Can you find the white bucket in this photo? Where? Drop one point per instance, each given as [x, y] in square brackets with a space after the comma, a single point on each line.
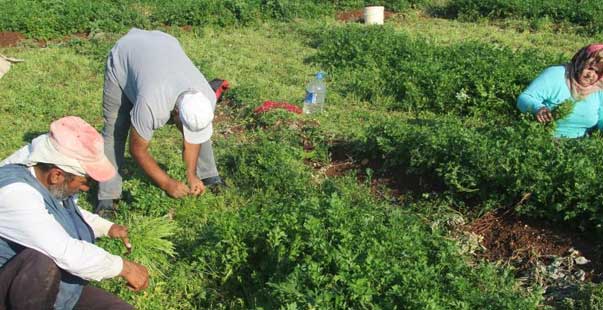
[373, 15]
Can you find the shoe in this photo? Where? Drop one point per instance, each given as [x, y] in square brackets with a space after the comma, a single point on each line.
[219, 86]
[106, 209]
[215, 184]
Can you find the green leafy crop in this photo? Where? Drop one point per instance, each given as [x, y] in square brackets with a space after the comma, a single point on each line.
[498, 165]
[585, 14]
[464, 79]
[49, 19]
[564, 109]
[151, 244]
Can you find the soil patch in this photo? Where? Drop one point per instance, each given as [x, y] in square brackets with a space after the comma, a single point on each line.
[357, 16]
[526, 243]
[9, 39]
[339, 168]
[225, 120]
[384, 183]
[78, 35]
[395, 184]
[221, 117]
[508, 237]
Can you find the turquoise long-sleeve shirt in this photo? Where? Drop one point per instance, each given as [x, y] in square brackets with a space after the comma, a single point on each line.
[550, 89]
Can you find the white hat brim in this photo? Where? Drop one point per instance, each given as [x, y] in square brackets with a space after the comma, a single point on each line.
[198, 137]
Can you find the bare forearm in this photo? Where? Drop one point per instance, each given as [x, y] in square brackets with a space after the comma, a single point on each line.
[139, 148]
[190, 155]
[150, 167]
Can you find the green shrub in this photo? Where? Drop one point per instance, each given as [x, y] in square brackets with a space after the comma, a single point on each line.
[268, 165]
[48, 19]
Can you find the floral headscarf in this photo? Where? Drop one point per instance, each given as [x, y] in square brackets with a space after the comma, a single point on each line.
[585, 71]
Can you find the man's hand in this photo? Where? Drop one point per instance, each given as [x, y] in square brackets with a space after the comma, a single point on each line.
[196, 185]
[136, 275]
[190, 155]
[119, 231]
[544, 115]
[176, 189]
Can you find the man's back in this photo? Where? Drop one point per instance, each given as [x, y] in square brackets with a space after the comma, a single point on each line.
[152, 68]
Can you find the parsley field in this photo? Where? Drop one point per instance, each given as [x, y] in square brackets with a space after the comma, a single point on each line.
[285, 235]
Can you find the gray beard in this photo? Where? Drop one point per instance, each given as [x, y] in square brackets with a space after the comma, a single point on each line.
[60, 192]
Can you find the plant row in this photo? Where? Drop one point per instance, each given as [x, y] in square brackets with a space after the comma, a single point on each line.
[281, 239]
[299, 243]
[46, 19]
[469, 78]
[583, 14]
[466, 135]
[518, 166]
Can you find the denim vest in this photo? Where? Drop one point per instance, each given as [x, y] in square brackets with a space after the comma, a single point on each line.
[67, 214]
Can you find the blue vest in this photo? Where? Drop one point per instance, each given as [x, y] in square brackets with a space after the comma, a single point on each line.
[67, 214]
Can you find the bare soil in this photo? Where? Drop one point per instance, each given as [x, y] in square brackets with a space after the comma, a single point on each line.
[339, 168]
[523, 242]
[224, 121]
[10, 39]
[509, 237]
[391, 183]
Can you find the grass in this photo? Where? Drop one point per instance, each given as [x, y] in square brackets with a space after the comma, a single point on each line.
[265, 58]
[50, 82]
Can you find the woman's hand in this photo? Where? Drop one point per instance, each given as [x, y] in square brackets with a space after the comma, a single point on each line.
[544, 115]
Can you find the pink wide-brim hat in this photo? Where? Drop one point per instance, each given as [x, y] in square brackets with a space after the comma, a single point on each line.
[74, 138]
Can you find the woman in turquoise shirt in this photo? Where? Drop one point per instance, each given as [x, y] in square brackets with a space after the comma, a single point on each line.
[581, 80]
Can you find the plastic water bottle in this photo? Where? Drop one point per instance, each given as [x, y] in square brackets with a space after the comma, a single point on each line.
[316, 91]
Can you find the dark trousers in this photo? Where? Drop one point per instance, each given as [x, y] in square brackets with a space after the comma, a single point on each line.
[30, 280]
[94, 298]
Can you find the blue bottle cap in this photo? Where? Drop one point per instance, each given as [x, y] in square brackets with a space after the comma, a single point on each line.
[320, 75]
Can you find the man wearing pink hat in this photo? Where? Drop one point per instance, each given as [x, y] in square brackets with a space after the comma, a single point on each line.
[149, 81]
[47, 251]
